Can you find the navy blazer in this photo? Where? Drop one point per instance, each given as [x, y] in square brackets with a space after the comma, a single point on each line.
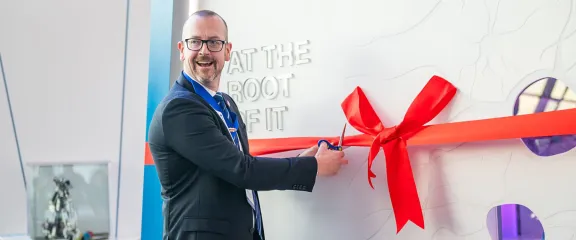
[203, 174]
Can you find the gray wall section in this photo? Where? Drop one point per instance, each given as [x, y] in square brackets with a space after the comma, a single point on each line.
[181, 11]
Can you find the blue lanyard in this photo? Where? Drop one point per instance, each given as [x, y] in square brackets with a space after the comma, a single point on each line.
[230, 122]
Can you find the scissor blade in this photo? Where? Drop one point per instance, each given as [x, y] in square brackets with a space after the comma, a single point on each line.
[342, 136]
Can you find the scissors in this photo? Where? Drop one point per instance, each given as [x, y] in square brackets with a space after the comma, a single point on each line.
[332, 147]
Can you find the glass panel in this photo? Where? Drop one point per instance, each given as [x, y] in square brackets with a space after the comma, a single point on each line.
[545, 95]
[514, 222]
[67, 201]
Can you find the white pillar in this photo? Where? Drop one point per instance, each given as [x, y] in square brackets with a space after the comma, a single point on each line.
[194, 6]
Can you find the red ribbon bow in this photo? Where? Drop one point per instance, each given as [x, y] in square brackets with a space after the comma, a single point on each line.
[403, 194]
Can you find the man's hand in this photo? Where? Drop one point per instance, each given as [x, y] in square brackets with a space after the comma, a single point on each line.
[310, 152]
[329, 161]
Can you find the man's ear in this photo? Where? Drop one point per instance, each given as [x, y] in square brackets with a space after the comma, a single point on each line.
[228, 51]
[181, 50]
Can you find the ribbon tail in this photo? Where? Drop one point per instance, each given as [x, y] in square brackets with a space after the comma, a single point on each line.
[370, 176]
[374, 149]
[401, 185]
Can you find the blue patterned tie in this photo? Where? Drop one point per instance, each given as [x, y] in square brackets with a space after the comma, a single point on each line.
[222, 103]
[226, 113]
[258, 214]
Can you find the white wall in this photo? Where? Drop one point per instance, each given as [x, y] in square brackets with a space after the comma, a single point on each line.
[489, 49]
[77, 78]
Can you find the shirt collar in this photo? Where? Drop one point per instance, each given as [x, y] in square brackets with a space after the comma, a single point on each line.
[210, 91]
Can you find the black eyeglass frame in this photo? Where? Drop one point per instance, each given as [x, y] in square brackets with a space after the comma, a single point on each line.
[187, 42]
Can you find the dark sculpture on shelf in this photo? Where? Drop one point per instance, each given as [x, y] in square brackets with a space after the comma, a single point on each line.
[61, 222]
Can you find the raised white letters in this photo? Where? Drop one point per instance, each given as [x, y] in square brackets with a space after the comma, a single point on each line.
[268, 88]
[235, 63]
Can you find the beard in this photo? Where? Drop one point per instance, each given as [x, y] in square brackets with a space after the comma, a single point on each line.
[204, 69]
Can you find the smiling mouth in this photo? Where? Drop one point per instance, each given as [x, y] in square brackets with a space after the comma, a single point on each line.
[205, 64]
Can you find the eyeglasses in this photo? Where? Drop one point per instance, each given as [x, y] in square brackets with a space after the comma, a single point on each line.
[213, 45]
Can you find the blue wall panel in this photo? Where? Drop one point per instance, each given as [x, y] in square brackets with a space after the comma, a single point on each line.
[158, 84]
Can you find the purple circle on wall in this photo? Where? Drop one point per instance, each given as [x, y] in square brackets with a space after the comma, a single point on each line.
[514, 222]
[545, 95]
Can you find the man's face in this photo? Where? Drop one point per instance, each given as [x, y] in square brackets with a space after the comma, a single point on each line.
[204, 61]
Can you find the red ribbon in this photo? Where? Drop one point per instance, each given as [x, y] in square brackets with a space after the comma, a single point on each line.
[360, 114]
[411, 131]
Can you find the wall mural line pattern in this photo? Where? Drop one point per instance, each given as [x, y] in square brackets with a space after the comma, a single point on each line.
[490, 50]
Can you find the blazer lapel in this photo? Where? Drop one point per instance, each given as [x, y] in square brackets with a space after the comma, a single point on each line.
[242, 134]
[182, 82]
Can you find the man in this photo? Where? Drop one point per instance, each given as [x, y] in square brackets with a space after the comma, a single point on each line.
[200, 148]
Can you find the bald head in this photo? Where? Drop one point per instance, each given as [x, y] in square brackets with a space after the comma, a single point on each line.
[204, 47]
[190, 22]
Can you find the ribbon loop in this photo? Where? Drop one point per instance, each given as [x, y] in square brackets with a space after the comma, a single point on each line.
[431, 100]
[363, 119]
